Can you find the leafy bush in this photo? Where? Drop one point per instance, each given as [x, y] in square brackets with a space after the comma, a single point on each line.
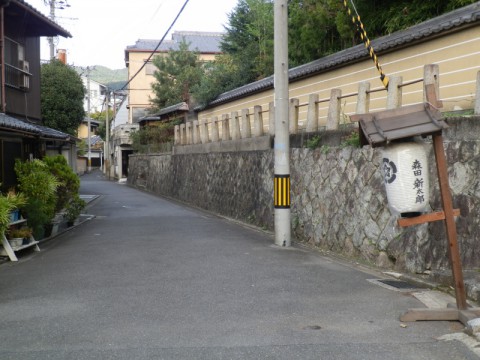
[5, 208]
[68, 181]
[39, 185]
[155, 138]
[74, 208]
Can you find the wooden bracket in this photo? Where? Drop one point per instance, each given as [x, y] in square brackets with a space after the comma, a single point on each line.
[445, 314]
[425, 218]
[432, 98]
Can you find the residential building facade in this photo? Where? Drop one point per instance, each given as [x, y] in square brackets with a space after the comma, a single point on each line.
[22, 134]
[140, 66]
[207, 44]
[96, 96]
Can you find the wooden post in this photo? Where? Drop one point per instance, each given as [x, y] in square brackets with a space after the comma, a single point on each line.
[431, 81]
[453, 251]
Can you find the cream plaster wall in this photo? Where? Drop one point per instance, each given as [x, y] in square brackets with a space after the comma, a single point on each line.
[457, 54]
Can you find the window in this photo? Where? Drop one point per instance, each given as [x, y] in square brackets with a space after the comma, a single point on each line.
[150, 68]
[17, 70]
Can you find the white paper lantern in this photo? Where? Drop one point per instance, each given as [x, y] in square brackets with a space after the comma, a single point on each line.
[405, 171]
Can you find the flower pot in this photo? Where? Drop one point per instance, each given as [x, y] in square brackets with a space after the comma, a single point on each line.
[14, 215]
[16, 242]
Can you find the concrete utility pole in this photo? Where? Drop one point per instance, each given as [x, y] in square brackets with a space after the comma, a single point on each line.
[50, 39]
[107, 134]
[89, 156]
[54, 4]
[282, 139]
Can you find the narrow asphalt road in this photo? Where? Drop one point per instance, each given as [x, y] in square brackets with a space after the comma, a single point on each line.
[151, 279]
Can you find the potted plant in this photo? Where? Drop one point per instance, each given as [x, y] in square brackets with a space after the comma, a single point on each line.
[5, 209]
[17, 200]
[17, 235]
[68, 180]
[39, 186]
[73, 209]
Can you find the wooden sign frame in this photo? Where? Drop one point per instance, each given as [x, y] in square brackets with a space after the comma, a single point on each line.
[378, 129]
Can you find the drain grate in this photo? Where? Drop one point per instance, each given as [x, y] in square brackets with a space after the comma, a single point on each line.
[398, 285]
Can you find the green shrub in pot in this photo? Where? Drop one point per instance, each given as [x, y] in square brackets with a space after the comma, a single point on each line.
[38, 184]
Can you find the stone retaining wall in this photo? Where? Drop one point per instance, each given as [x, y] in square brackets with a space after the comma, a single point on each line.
[338, 198]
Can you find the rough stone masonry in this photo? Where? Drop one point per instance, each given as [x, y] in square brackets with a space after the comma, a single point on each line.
[339, 201]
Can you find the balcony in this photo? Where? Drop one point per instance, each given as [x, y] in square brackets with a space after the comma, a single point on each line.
[18, 77]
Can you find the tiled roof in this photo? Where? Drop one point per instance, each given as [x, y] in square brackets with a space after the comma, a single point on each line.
[92, 122]
[95, 140]
[203, 42]
[451, 21]
[14, 124]
[39, 23]
[182, 107]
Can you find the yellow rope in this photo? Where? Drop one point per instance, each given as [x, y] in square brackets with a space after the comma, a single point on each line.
[363, 35]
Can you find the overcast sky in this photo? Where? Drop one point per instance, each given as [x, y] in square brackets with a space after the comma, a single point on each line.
[102, 29]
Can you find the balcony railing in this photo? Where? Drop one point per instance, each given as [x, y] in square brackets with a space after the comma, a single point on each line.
[16, 77]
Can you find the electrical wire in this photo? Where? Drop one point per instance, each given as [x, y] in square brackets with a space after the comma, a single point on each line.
[158, 45]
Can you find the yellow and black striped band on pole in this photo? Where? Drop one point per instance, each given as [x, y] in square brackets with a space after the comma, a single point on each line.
[357, 22]
[282, 191]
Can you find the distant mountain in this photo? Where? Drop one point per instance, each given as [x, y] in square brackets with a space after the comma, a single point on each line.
[114, 79]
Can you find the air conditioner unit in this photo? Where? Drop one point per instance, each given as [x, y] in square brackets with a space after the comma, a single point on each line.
[24, 78]
[24, 65]
[24, 82]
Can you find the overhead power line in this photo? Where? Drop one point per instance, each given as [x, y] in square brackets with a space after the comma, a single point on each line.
[158, 45]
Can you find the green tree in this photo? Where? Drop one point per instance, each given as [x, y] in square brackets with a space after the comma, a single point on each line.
[100, 116]
[384, 17]
[316, 29]
[177, 73]
[154, 138]
[249, 39]
[220, 76]
[62, 94]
